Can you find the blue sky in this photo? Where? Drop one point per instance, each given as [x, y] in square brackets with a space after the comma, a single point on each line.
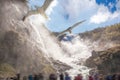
[64, 13]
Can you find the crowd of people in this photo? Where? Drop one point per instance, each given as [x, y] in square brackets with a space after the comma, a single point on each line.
[66, 76]
[97, 76]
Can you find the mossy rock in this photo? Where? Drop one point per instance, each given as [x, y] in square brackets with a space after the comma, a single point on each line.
[6, 70]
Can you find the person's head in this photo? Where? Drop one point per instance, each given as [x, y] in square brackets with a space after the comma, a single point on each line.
[18, 74]
[90, 76]
[79, 74]
[66, 74]
[30, 75]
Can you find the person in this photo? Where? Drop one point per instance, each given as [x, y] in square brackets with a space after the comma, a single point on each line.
[75, 78]
[35, 77]
[52, 77]
[114, 76]
[18, 76]
[79, 77]
[24, 77]
[101, 77]
[30, 77]
[108, 77]
[118, 76]
[40, 76]
[95, 76]
[90, 78]
[61, 76]
[67, 77]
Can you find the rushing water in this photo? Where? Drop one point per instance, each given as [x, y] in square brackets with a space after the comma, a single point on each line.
[77, 53]
[73, 52]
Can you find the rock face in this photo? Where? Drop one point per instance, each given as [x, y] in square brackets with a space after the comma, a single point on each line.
[103, 38]
[107, 61]
[61, 67]
[17, 41]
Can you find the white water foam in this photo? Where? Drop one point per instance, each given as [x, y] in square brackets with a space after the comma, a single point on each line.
[75, 51]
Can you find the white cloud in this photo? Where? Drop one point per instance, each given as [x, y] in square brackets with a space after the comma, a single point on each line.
[103, 15]
[50, 8]
[75, 7]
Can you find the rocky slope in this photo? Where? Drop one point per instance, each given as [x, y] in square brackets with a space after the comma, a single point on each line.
[105, 43]
[103, 38]
[60, 66]
[107, 61]
[18, 45]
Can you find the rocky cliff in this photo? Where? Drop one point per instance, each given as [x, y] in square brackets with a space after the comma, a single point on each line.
[107, 61]
[18, 45]
[103, 38]
[105, 43]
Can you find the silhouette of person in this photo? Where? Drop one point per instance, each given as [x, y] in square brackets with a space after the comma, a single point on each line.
[108, 77]
[79, 77]
[30, 77]
[61, 76]
[67, 77]
[40, 76]
[35, 77]
[52, 77]
[25, 78]
[91, 78]
[18, 76]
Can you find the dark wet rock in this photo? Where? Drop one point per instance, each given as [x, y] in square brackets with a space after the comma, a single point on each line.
[107, 61]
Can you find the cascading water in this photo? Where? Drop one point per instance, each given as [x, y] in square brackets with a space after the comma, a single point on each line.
[73, 52]
[77, 53]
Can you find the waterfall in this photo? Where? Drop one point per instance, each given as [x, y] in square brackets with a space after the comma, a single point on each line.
[73, 52]
[77, 52]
